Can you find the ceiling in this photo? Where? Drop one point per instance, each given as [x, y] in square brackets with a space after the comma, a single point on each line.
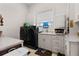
[30, 4]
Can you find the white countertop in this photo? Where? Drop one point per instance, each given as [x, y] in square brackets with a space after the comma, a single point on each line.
[6, 42]
[50, 33]
[70, 38]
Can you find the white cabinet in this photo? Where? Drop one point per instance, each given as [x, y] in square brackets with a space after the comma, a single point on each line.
[74, 49]
[72, 45]
[59, 21]
[54, 44]
[44, 41]
[51, 42]
[41, 41]
[58, 44]
[61, 44]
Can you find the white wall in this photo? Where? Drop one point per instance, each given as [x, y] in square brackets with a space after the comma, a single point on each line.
[57, 8]
[73, 14]
[69, 9]
[14, 16]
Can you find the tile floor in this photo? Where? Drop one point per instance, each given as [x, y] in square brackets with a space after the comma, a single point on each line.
[33, 52]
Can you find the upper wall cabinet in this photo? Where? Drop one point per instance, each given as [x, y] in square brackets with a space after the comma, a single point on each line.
[61, 12]
[59, 21]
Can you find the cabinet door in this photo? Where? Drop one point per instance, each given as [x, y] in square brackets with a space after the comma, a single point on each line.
[41, 41]
[45, 41]
[61, 44]
[57, 44]
[59, 15]
[54, 44]
[74, 49]
[48, 42]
